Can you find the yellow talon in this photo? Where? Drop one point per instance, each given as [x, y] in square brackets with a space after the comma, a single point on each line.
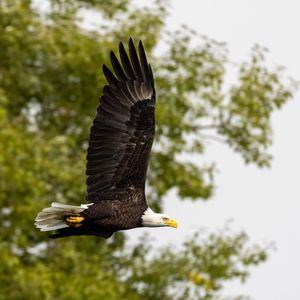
[74, 220]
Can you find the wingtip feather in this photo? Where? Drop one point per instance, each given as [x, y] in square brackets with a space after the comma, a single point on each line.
[110, 77]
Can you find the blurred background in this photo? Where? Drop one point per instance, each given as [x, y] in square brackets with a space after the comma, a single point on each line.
[224, 162]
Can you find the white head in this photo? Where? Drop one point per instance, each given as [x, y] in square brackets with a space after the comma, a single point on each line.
[152, 219]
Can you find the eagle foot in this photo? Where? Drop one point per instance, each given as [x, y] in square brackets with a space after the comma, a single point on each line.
[74, 220]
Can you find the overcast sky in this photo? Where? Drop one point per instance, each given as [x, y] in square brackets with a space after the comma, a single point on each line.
[265, 203]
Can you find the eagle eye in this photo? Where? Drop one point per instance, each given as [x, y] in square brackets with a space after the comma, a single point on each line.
[165, 219]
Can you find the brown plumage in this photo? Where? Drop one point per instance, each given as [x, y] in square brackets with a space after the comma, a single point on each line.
[120, 142]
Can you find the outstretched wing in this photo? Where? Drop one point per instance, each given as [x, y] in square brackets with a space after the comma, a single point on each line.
[123, 130]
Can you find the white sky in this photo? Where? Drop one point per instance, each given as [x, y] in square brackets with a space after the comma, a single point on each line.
[265, 203]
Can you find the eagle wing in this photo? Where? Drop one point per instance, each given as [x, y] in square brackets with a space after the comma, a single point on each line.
[123, 130]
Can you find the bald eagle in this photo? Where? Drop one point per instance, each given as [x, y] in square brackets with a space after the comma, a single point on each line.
[120, 143]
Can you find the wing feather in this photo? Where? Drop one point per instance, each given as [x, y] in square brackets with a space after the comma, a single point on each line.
[110, 77]
[144, 62]
[122, 133]
[117, 67]
[135, 61]
[126, 62]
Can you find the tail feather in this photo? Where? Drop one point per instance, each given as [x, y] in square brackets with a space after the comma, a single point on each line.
[53, 218]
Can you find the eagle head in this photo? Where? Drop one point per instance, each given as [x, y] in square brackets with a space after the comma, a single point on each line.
[152, 219]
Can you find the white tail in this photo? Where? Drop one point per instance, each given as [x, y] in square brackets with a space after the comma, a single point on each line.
[52, 218]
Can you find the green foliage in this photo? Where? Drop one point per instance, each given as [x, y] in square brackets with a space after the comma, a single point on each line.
[50, 82]
[247, 119]
[199, 269]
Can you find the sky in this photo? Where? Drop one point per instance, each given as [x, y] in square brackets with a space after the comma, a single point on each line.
[264, 203]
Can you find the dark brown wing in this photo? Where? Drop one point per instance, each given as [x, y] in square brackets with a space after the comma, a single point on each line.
[123, 130]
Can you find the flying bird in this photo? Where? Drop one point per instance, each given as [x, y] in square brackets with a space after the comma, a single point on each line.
[120, 143]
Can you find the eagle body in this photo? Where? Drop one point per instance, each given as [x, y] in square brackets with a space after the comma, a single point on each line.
[117, 214]
[120, 143]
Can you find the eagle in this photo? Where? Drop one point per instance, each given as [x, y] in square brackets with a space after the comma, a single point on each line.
[120, 142]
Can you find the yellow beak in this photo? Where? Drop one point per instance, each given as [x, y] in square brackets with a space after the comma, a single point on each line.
[171, 223]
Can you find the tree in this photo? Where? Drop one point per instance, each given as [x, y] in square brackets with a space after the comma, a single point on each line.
[49, 88]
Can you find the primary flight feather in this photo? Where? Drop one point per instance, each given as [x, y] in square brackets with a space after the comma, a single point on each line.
[119, 149]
